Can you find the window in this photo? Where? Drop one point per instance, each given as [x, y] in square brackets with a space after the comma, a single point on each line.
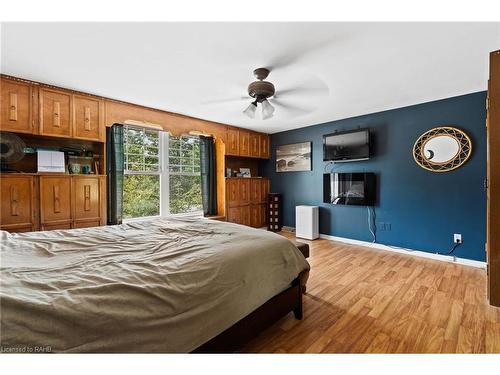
[184, 174]
[162, 173]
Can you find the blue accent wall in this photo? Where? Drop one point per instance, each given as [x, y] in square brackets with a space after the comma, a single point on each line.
[424, 208]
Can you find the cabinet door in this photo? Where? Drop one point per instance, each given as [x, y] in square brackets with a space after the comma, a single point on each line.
[244, 139]
[264, 190]
[245, 215]
[55, 113]
[232, 192]
[233, 142]
[233, 215]
[55, 200]
[255, 215]
[88, 118]
[86, 197]
[264, 146]
[255, 145]
[16, 106]
[255, 190]
[244, 190]
[263, 215]
[17, 203]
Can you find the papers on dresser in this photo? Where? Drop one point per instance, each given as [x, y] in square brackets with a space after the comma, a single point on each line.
[51, 161]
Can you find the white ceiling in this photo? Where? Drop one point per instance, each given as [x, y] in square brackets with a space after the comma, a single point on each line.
[187, 67]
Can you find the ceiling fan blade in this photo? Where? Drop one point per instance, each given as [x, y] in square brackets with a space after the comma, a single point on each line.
[311, 87]
[226, 100]
[297, 53]
[292, 109]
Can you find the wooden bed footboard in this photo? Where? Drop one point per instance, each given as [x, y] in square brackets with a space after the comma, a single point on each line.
[250, 326]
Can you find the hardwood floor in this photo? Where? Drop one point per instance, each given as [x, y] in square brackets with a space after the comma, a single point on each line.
[362, 300]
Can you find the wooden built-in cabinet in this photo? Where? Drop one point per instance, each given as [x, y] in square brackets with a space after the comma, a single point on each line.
[55, 113]
[246, 200]
[255, 145]
[233, 142]
[18, 212]
[18, 100]
[244, 138]
[38, 109]
[264, 146]
[247, 143]
[48, 202]
[55, 202]
[88, 118]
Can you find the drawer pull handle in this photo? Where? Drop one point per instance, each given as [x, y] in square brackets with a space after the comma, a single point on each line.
[13, 107]
[57, 203]
[86, 192]
[13, 201]
[57, 115]
[87, 118]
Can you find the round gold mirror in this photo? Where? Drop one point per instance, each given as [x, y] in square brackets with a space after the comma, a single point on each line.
[442, 149]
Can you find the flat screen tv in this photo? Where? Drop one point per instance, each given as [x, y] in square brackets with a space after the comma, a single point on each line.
[349, 188]
[347, 146]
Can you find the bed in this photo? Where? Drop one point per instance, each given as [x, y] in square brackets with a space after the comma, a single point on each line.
[165, 285]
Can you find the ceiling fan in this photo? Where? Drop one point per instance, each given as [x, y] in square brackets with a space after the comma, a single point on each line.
[260, 90]
[287, 99]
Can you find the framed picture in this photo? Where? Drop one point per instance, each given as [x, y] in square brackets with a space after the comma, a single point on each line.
[295, 157]
[245, 172]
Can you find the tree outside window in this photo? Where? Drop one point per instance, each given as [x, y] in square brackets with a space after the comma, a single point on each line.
[162, 173]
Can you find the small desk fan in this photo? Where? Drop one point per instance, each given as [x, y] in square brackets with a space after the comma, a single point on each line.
[11, 150]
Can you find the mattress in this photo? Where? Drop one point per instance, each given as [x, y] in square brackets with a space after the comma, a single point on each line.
[162, 285]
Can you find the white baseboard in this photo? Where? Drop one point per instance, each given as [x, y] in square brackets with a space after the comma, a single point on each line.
[401, 250]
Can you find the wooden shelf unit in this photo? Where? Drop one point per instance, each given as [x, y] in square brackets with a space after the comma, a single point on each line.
[246, 200]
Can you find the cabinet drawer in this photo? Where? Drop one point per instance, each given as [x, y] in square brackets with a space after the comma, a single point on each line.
[244, 141]
[55, 198]
[17, 100]
[264, 190]
[56, 226]
[255, 145]
[232, 194]
[88, 118]
[55, 113]
[255, 215]
[87, 224]
[17, 201]
[264, 146]
[245, 215]
[86, 197]
[244, 190]
[233, 215]
[255, 190]
[233, 142]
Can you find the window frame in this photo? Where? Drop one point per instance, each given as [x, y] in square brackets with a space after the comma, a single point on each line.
[164, 176]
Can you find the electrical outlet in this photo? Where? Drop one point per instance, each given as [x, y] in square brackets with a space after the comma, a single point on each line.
[457, 238]
[384, 227]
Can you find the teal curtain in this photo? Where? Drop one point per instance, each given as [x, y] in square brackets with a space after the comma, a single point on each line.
[208, 176]
[114, 169]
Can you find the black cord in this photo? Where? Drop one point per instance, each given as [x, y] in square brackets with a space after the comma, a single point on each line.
[452, 249]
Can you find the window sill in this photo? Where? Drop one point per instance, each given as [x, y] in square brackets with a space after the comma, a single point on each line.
[145, 218]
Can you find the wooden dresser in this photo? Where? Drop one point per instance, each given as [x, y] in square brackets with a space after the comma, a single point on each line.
[246, 200]
[51, 201]
[52, 118]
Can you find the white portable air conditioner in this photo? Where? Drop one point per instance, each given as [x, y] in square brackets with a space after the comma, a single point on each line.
[307, 222]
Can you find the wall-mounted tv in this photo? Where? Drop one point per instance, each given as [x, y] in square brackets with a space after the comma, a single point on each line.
[347, 146]
[349, 188]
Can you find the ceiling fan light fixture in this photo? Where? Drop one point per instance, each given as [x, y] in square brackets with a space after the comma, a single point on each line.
[267, 110]
[251, 109]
